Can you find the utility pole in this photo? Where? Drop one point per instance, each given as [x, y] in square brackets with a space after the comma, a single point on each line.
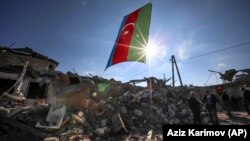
[164, 80]
[172, 60]
[174, 64]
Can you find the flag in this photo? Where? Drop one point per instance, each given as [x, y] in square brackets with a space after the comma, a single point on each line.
[132, 38]
[220, 90]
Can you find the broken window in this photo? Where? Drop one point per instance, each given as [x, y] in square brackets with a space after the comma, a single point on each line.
[6, 84]
[35, 91]
[51, 67]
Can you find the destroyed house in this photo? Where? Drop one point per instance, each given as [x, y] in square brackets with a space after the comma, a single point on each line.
[16, 57]
[232, 80]
[39, 70]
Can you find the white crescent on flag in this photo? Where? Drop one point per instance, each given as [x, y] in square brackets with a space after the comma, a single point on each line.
[127, 31]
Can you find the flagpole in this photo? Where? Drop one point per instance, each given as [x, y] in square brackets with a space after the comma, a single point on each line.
[150, 81]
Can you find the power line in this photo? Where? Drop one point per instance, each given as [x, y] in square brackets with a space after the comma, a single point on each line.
[212, 52]
[197, 56]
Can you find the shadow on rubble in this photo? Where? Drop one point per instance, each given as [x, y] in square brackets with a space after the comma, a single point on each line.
[239, 119]
[236, 118]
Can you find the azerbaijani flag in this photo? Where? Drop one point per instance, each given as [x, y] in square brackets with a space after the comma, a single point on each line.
[132, 37]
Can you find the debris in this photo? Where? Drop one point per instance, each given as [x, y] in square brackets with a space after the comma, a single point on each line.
[97, 108]
[102, 131]
[124, 110]
[16, 110]
[13, 97]
[4, 111]
[104, 122]
[80, 114]
[54, 118]
[138, 112]
[118, 123]
[81, 120]
[24, 127]
[51, 139]
[149, 135]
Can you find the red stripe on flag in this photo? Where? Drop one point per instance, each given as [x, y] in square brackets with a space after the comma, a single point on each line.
[126, 33]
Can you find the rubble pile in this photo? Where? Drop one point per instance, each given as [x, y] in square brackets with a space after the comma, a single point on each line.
[39, 103]
[125, 117]
[95, 109]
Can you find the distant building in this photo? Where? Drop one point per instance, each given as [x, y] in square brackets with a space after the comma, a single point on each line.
[232, 80]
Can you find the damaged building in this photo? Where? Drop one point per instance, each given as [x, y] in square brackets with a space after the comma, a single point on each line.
[40, 103]
[232, 81]
[36, 69]
[72, 107]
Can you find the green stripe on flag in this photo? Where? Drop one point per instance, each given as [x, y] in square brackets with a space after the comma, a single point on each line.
[140, 35]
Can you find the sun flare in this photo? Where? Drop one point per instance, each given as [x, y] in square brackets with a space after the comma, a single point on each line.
[151, 50]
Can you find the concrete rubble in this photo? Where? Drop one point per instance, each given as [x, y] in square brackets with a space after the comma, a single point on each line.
[95, 108]
[38, 103]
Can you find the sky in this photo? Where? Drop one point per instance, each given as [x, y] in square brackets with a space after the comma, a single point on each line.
[80, 34]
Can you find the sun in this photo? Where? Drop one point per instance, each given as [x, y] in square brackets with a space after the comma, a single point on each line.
[155, 51]
[151, 50]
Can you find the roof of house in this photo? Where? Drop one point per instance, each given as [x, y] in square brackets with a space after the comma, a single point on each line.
[28, 52]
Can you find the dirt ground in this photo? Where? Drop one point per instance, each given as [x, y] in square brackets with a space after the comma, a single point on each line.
[237, 118]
